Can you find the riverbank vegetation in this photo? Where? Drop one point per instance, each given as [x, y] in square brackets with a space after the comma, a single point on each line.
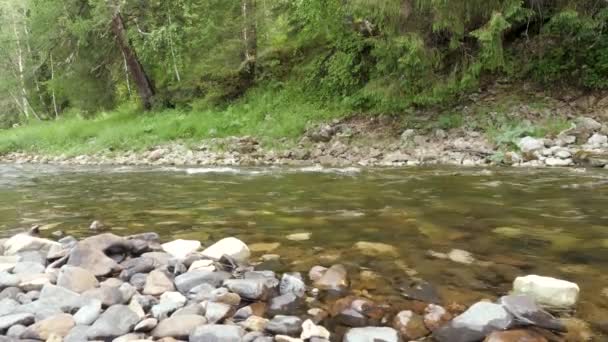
[98, 74]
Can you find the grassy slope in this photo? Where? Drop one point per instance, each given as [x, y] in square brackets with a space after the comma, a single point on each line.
[262, 113]
[267, 115]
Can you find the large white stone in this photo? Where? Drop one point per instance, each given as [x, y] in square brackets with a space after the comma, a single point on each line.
[598, 139]
[231, 247]
[181, 248]
[547, 291]
[529, 144]
[25, 242]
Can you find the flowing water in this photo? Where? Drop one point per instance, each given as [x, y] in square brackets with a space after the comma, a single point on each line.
[514, 222]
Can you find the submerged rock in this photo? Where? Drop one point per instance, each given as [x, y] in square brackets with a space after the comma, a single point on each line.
[285, 325]
[334, 279]
[547, 291]
[410, 325]
[519, 335]
[474, 324]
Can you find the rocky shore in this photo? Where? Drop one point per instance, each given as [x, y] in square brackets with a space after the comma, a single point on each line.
[135, 288]
[365, 142]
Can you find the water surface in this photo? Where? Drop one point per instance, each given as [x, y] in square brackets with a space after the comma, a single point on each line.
[514, 221]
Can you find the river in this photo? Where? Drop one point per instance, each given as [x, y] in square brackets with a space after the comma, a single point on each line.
[513, 221]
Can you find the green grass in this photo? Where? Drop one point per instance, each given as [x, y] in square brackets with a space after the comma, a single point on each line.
[266, 114]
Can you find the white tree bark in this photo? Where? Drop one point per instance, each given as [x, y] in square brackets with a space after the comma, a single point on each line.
[53, 90]
[20, 68]
[175, 69]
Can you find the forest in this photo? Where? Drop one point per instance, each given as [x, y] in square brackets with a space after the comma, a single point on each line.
[270, 67]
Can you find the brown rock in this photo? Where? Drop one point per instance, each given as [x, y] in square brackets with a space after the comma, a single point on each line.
[158, 283]
[435, 316]
[410, 325]
[58, 325]
[334, 279]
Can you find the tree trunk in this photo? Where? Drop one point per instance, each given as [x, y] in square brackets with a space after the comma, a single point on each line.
[142, 82]
[250, 38]
[53, 90]
[20, 68]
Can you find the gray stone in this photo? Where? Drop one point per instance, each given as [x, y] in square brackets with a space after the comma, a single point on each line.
[88, 314]
[24, 242]
[76, 279]
[252, 289]
[146, 325]
[28, 267]
[116, 321]
[17, 318]
[157, 283]
[527, 312]
[201, 292]
[15, 331]
[479, 320]
[292, 283]
[7, 263]
[34, 281]
[178, 327]
[217, 312]
[190, 309]
[137, 265]
[169, 302]
[108, 296]
[230, 246]
[530, 144]
[138, 280]
[284, 304]
[8, 280]
[372, 334]
[8, 306]
[53, 300]
[90, 253]
[77, 334]
[10, 292]
[185, 282]
[58, 325]
[217, 333]
[285, 325]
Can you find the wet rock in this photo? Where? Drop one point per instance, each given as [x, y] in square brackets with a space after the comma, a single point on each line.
[24, 242]
[169, 302]
[232, 247]
[577, 330]
[88, 314]
[352, 318]
[14, 319]
[116, 321]
[299, 236]
[180, 249]
[284, 304]
[519, 335]
[292, 283]
[178, 327]
[410, 325]
[285, 325]
[461, 256]
[187, 281]
[254, 323]
[316, 273]
[158, 283]
[547, 291]
[311, 330]
[376, 248]
[372, 334]
[97, 225]
[59, 325]
[76, 279]
[334, 279]
[146, 325]
[217, 333]
[478, 321]
[527, 312]
[422, 291]
[217, 312]
[252, 289]
[435, 316]
[529, 144]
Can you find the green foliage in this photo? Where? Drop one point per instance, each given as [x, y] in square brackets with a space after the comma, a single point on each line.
[573, 49]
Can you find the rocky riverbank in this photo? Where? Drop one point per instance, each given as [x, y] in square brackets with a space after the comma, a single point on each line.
[366, 142]
[135, 288]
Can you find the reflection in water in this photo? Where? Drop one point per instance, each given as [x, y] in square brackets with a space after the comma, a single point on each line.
[549, 222]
